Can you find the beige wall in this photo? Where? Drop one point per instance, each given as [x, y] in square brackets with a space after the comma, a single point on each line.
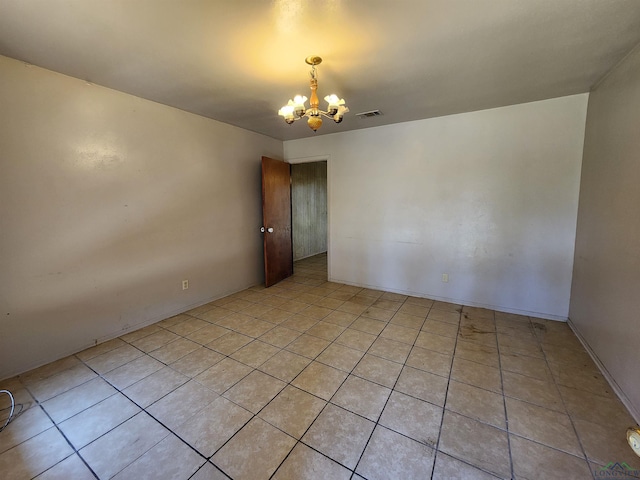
[488, 197]
[107, 202]
[309, 208]
[606, 279]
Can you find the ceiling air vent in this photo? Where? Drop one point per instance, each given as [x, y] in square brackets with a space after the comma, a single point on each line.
[371, 113]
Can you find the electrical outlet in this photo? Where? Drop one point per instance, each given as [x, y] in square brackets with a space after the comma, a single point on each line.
[185, 284]
[445, 277]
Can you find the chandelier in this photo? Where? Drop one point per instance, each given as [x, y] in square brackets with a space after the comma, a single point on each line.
[295, 109]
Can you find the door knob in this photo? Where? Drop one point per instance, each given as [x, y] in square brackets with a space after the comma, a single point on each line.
[270, 230]
[262, 229]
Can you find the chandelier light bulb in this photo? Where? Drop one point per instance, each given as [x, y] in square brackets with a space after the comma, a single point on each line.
[296, 108]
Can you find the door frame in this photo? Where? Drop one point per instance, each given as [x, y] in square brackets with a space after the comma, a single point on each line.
[321, 158]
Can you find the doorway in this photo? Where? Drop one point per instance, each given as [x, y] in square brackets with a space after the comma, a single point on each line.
[309, 203]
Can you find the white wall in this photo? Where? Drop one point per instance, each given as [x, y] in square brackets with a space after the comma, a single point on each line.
[488, 197]
[606, 278]
[107, 202]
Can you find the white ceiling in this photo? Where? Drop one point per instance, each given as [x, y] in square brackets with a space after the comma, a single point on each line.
[239, 61]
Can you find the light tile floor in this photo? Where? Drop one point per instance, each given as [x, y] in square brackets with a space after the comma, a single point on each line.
[317, 380]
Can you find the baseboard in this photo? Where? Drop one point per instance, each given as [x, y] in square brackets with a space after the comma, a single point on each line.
[105, 338]
[498, 308]
[605, 373]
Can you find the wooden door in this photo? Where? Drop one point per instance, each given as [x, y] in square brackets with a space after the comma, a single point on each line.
[276, 220]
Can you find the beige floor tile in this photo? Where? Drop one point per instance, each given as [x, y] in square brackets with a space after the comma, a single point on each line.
[446, 307]
[478, 353]
[444, 316]
[48, 370]
[214, 314]
[211, 427]
[339, 434]
[285, 365]
[440, 328]
[306, 463]
[415, 309]
[477, 403]
[175, 408]
[255, 452]
[320, 380]
[540, 392]
[279, 336]
[115, 358]
[255, 353]
[449, 468]
[71, 468]
[154, 341]
[477, 374]
[299, 323]
[423, 385]
[605, 411]
[97, 420]
[170, 458]
[470, 334]
[342, 319]
[175, 350]
[308, 346]
[197, 361]
[391, 455]
[524, 365]
[34, 456]
[604, 444]
[412, 417]
[276, 315]
[340, 357]
[256, 310]
[229, 343]
[118, 448]
[362, 397]
[316, 312]
[293, 306]
[400, 334]
[422, 301]
[387, 304]
[532, 461]
[368, 325]
[378, 370]
[394, 297]
[292, 411]
[327, 302]
[542, 425]
[140, 333]
[350, 306]
[356, 339]
[254, 391]
[131, 372]
[155, 386]
[479, 444]
[190, 325]
[61, 382]
[407, 320]
[326, 330]
[390, 349]
[478, 312]
[430, 361]
[363, 300]
[223, 375]
[207, 334]
[254, 327]
[172, 321]
[581, 377]
[100, 349]
[378, 313]
[209, 472]
[437, 343]
[23, 426]
[78, 399]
